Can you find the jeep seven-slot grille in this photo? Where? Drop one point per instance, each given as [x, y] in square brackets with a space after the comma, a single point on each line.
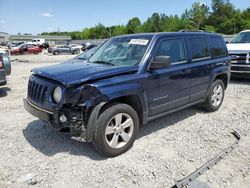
[37, 92]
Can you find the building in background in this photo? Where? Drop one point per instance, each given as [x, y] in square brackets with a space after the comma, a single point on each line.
[4, 37]
[7, 38]
[48, 38]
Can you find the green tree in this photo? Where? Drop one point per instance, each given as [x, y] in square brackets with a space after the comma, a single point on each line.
[223, 16]
[209, 28]
[198, 14]
[133, 25]
[118, 30]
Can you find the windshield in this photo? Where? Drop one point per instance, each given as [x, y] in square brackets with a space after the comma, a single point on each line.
[122, 51]
[243, 37]
[87, 55]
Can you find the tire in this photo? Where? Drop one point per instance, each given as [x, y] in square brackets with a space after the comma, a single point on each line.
[215, 97]
[76, 52]
[116, 140]
[56, 53]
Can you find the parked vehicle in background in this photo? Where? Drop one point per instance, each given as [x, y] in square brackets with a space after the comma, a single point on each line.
[4, 51]
[75, 46]
[88, 46]
[81, 58]
[127, 82]
[86, 55]
[38, 42]
[5, 68]
[26, 49]
[63, 49]
[44, 45]
[239, 51]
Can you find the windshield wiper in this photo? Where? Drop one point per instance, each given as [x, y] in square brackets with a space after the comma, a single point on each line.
[103, 62]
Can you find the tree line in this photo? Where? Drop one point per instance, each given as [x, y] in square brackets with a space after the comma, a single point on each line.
[222, 18]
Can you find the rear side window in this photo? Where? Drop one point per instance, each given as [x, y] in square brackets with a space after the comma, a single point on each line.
[218, 47]
[173, 48]
[199, 48]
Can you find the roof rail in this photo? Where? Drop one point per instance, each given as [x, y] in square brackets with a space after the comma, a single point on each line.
[183, 30]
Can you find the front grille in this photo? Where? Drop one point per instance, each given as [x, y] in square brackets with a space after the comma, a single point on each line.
[240, 58]
[37, 92]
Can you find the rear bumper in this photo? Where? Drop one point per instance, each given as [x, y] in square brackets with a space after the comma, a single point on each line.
[36, 111]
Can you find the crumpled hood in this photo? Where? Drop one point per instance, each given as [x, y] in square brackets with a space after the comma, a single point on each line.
[236, 47]
[72, 73]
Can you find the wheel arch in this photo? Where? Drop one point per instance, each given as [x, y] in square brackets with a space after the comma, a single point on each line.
[131, 100]
[224, 78]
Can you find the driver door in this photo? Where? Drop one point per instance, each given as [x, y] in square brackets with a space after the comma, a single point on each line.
[169, 88]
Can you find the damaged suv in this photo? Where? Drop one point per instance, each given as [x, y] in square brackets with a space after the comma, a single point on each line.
[127, 82]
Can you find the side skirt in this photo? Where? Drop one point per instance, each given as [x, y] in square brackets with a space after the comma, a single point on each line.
[175, 110]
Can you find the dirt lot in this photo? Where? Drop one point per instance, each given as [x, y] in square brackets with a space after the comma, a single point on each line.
[34, 155]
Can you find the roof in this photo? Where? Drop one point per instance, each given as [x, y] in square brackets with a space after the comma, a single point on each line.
[162, 34]
[245, 31]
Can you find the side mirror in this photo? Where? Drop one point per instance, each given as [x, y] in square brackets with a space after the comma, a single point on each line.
[227, 42]
[160, 62]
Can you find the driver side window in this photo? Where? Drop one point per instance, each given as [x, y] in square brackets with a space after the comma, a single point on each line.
[174, 48]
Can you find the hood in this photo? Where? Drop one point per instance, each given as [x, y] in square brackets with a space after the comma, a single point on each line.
[238, 47]
[73, 73]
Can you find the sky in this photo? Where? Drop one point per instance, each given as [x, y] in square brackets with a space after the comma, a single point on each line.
[36, 16]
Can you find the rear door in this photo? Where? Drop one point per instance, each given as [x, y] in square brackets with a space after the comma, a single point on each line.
[169, 88]
[200, 66]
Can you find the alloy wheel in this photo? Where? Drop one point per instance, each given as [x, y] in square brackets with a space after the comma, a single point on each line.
[217, 95]
[119, 130]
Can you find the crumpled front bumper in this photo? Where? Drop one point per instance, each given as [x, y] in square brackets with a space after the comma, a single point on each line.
[79, 127]
[36, 111]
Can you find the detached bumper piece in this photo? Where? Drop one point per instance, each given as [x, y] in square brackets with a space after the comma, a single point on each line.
[187, 180]
[36, 111]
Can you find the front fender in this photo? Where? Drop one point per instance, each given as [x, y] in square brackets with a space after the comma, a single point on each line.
[107, 94]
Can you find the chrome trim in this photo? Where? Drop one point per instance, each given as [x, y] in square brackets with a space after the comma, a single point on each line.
[247, 57]
[243, 72]
[38, 108]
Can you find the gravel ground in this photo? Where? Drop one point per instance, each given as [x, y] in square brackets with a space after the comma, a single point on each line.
[167, 149]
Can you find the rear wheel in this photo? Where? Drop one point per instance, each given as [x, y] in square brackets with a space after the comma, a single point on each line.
[117, 127]
[216, 96]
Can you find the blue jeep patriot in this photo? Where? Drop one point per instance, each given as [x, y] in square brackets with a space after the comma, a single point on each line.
[127, 82]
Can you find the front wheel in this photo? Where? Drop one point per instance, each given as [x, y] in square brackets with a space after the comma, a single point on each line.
[216, 96]
[116, 131]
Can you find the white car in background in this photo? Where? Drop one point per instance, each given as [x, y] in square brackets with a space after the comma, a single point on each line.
[239, 51]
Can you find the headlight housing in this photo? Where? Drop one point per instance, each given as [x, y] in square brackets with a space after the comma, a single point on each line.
[57, 94]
